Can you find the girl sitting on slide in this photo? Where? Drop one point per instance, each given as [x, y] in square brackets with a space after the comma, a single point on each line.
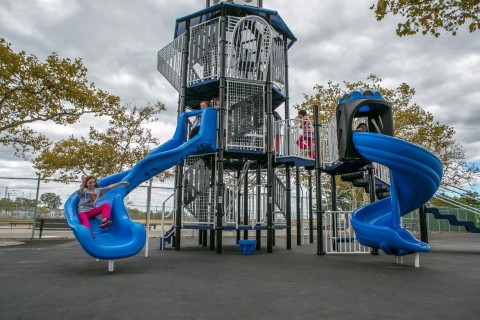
[88, 195]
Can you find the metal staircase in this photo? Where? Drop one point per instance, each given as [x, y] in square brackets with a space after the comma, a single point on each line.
[360, 179]
[469, 226]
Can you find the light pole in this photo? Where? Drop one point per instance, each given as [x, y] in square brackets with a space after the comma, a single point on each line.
[16, 194]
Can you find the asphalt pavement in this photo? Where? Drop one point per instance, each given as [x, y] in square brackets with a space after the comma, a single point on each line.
[56, 279]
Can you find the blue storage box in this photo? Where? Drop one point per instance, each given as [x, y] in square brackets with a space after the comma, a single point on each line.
[247, 246]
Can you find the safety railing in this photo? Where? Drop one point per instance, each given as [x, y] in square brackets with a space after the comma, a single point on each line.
[291, 139]
[339, 236]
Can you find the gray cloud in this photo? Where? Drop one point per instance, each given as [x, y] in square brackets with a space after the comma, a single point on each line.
[337, 40]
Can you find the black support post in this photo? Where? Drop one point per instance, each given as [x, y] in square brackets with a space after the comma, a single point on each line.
[179, 168]
[333, 183]
[371, 191]
[270, 168]
[221, 135]
[297, 206]
[258, 182]
[318, 182]
[288, 213]
[310, 207]
[288, 186]
[245, 204]
[422, 212]
[239, 202]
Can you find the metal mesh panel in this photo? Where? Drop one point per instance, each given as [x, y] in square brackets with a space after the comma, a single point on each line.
[250, 49]
[199, 191]
[329, 143]
[278, 62]
[245, 116]
[169, 62]
[231, 23]
[233, 187]
[280, 193]
[204, 54]
[235, 194]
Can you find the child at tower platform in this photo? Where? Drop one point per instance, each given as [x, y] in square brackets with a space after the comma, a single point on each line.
[196, 125]
[305, 142]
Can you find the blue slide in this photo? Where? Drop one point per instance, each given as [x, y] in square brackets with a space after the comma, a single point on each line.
[126, 238]
[415, 176]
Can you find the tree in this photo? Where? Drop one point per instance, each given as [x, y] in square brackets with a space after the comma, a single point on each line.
[51, 200]
[7, 205]
[55, 91]
[120, 147]
[432, 16]
[411, 123]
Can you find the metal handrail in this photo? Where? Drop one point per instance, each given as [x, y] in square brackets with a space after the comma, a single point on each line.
[163, 220]
[457, 204]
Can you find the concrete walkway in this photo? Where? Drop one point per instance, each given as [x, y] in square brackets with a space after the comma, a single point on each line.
[45, 279]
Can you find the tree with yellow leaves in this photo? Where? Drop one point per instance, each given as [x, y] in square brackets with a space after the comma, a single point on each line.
[431, 16]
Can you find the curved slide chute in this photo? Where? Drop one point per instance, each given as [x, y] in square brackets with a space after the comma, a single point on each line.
[415, 176]
[126, 238]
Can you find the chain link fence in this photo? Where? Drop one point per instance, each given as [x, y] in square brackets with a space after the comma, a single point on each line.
[24, 200]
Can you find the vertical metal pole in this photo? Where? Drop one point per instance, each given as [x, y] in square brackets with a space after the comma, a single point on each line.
[371, 191]
[149, 201]
[36, 205]
[318, 182]
[179, 169]
[258, 182]
[422, 212]
[270, 158]
[111, 264]
[239, 203]
[371, 183]
[204, 238]
[274, 194]
[245, 205]
[298, 198]
[288, 204]
[287, 97]
[221, 135]
[213, 195]
[333, 183]
[310, 207]
[212, 239]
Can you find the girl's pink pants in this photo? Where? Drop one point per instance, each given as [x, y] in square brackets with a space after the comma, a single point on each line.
[104, 209]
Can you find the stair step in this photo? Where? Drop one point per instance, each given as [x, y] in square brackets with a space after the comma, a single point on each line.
[352, 176]
[383, 195]
[360, 182]
[381, 188]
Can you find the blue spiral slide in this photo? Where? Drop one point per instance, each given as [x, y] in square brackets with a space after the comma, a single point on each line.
[415, 176]
[126, 238]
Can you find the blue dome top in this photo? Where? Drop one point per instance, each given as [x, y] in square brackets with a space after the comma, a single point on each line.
[361, 93]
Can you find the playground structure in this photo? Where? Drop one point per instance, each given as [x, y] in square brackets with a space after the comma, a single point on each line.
[235, 174]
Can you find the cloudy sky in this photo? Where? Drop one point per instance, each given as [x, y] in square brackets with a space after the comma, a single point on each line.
[338, 40]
